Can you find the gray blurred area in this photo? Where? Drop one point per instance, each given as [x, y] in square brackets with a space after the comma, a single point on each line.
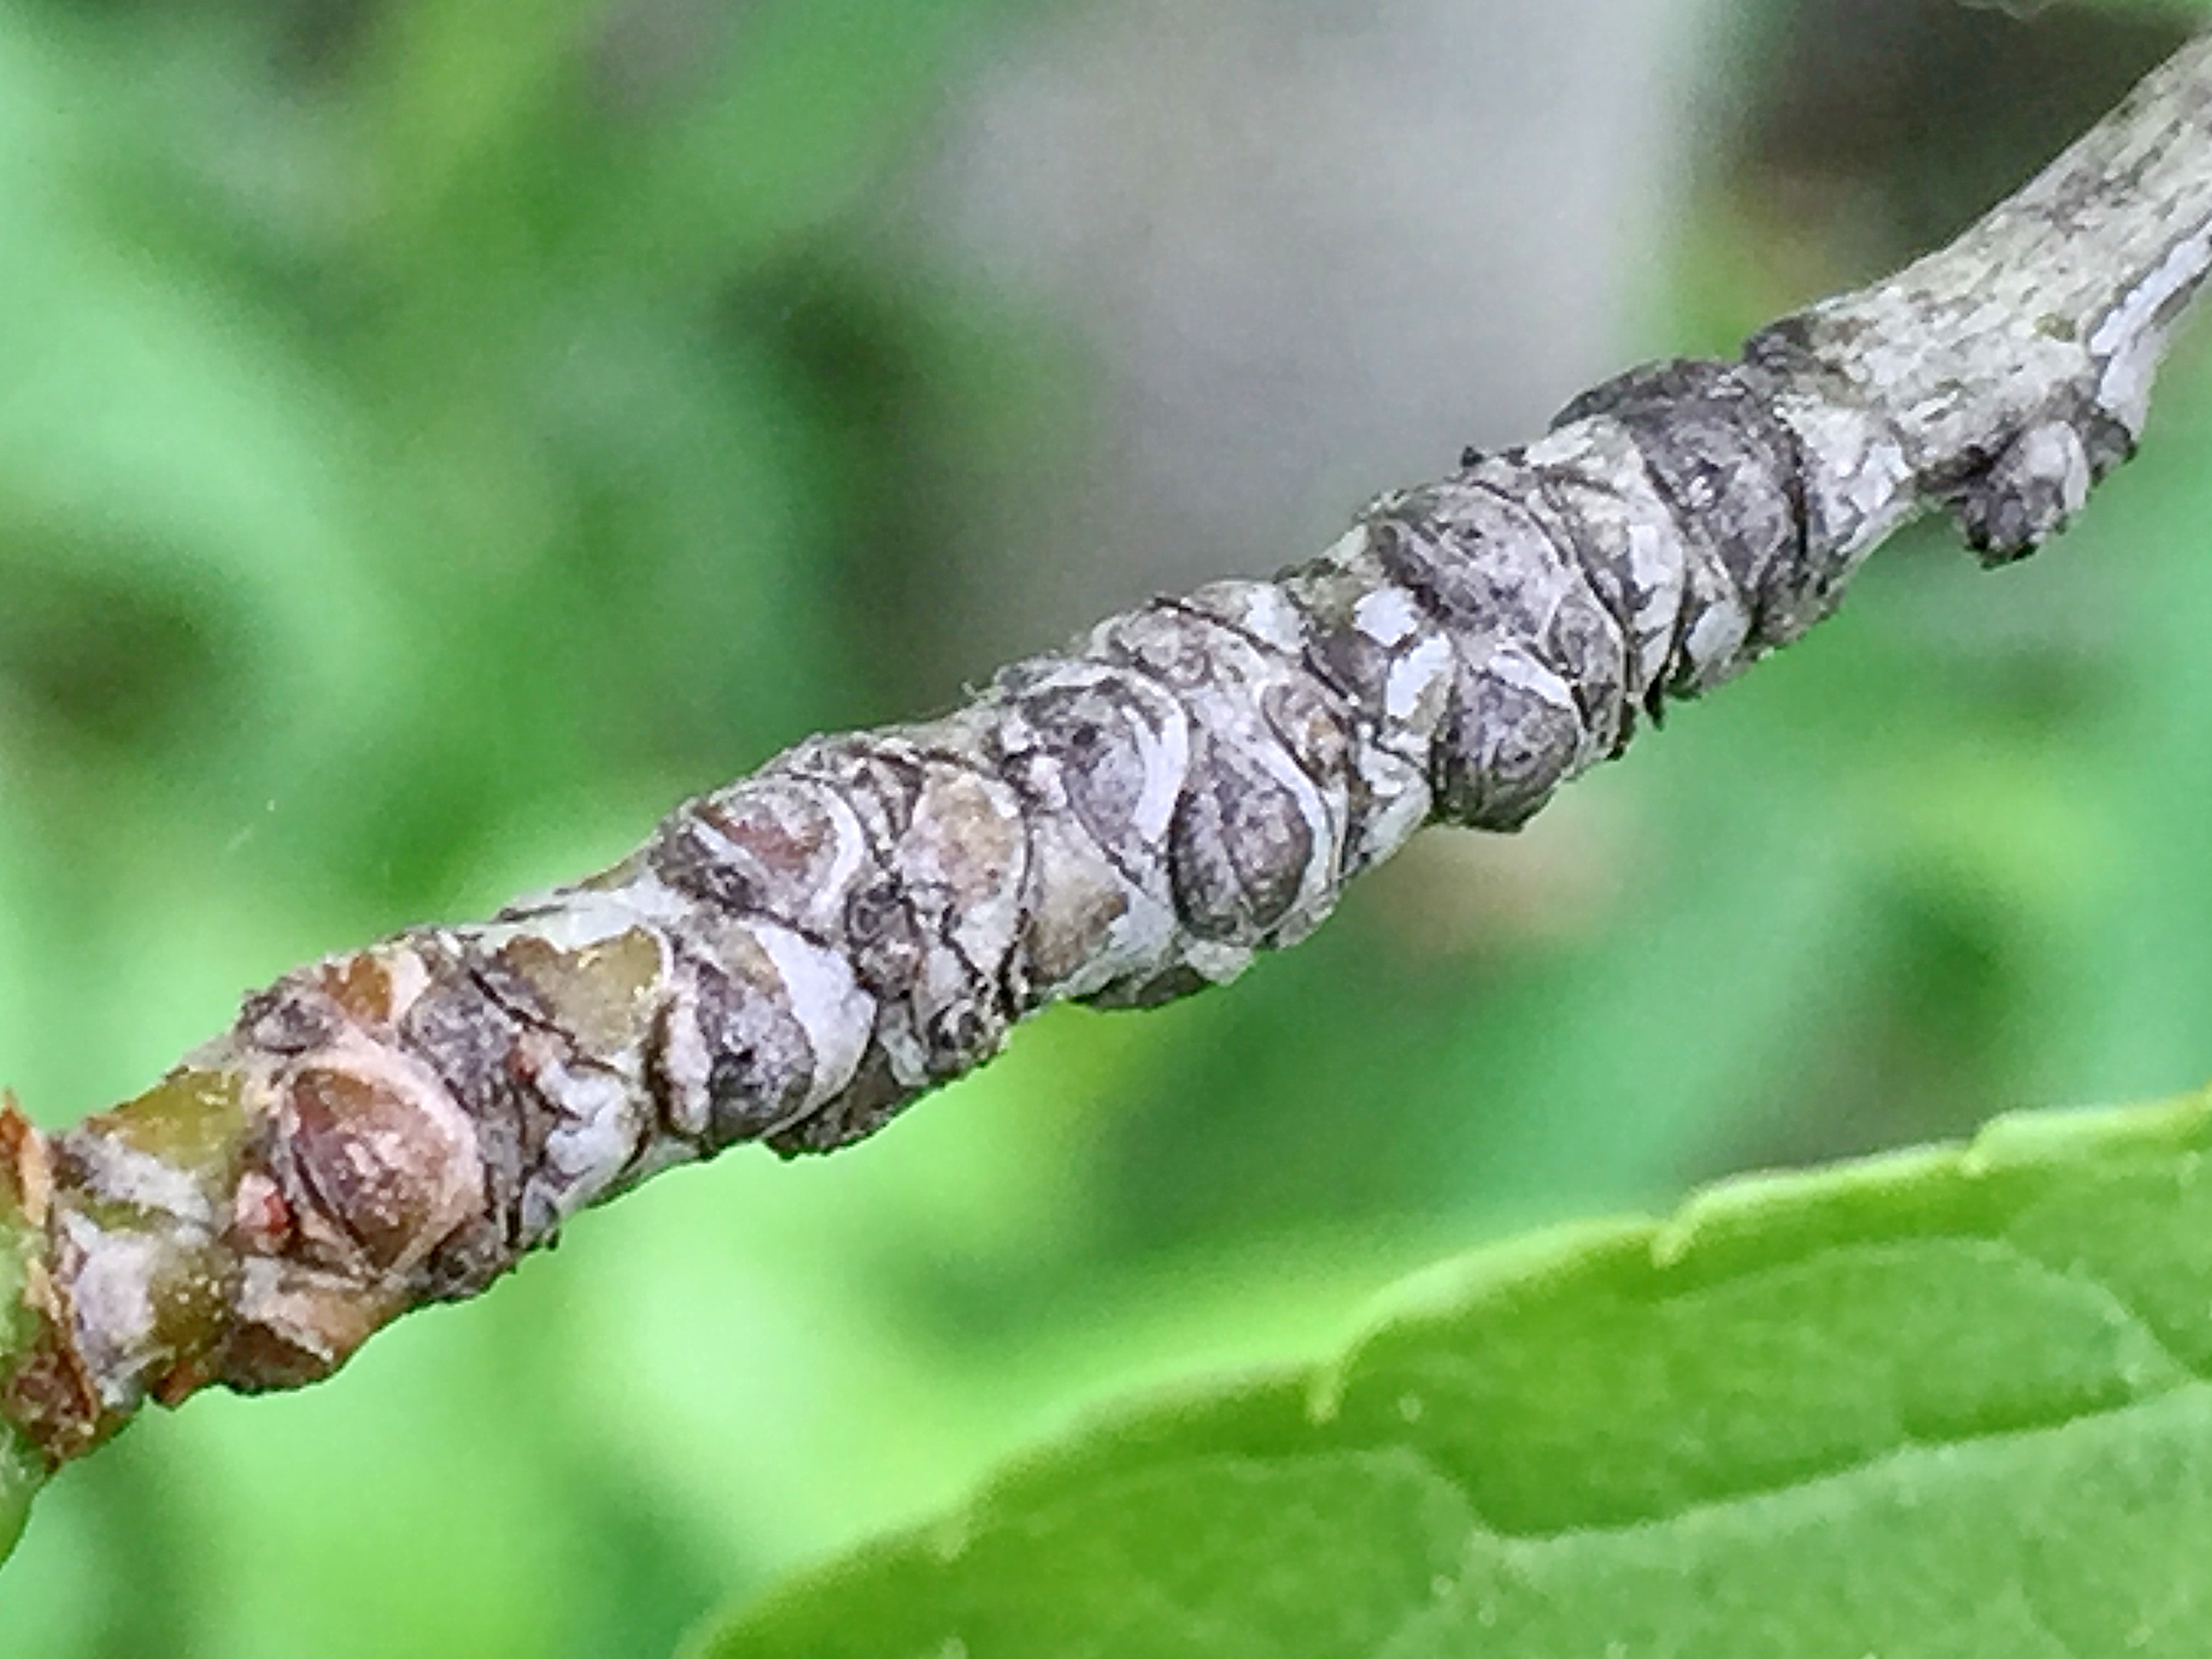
[1308, 250]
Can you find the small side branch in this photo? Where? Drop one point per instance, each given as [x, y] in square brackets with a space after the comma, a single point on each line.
[795, 959]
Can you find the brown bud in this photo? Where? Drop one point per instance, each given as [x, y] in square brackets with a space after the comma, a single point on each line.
[386, 1159]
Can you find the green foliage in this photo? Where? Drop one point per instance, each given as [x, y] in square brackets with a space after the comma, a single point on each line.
[20, 1477]
[1949, 1403]
[433, 440]
[22, 1473]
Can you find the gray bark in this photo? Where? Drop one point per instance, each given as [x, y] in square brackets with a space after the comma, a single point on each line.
[795, 959]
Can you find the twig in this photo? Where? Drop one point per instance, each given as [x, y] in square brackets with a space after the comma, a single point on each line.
[795, 959]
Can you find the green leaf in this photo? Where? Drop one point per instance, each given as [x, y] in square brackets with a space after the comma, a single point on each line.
[1948, 1402]
[21, 1474]
[21, 1471]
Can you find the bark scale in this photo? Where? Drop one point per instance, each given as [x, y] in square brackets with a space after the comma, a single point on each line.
[795, 959]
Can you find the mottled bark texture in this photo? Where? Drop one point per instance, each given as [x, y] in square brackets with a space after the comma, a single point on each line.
[794, 958]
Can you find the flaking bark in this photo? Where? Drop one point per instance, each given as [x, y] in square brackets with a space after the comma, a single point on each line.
[795, 959]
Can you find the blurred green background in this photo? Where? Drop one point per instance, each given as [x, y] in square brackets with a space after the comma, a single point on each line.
[435, 436]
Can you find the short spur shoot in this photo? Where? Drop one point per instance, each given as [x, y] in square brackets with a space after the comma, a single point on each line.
[796, 957]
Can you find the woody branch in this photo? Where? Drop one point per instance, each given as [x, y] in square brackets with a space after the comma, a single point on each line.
[796, 957]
